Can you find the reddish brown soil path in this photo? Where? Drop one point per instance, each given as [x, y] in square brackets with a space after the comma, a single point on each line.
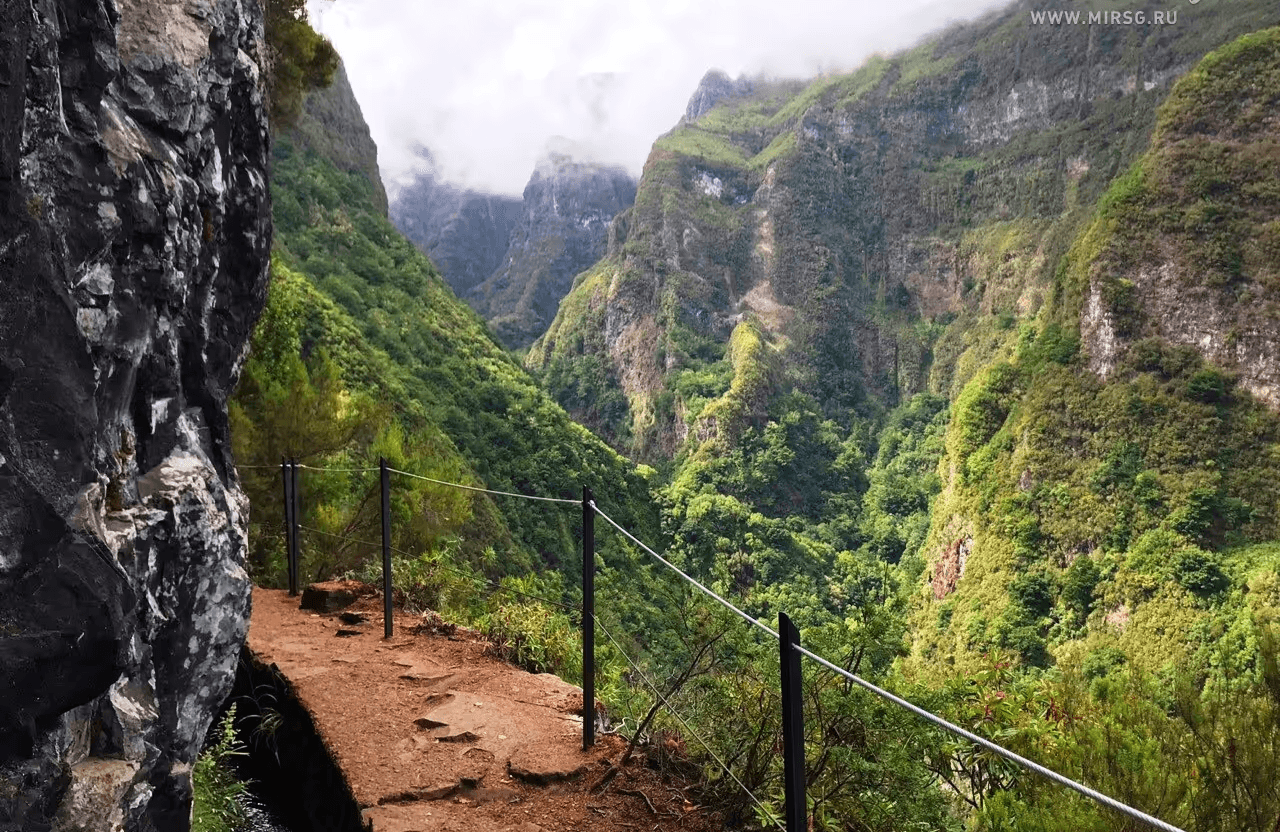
[433, 734]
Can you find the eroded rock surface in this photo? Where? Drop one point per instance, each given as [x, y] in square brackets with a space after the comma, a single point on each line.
[567, 210]
[134, 239]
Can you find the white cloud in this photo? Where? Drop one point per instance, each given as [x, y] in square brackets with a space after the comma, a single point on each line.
[486, 84]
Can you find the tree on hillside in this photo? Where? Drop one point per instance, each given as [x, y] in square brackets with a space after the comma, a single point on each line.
[298, 59]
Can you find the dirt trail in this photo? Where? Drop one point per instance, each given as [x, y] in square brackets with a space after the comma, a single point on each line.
[432, 734]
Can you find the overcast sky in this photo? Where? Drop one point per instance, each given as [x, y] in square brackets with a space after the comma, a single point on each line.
[486, 84]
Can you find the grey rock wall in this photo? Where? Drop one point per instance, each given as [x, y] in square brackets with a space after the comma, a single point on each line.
[513, 260]
[465, 233]
[134, 241]
[564, 229]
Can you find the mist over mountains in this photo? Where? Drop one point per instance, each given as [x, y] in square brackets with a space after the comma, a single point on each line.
[513, 260]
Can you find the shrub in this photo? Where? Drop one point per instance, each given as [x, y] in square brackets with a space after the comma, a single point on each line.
[531, 635]
[1078, 587]
[1198, 572]
[1208, 385]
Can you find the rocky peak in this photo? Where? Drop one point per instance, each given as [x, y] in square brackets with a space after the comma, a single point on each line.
[464, 232]
[714, 87]
[586, 192]
[134, 244]
[564, 228]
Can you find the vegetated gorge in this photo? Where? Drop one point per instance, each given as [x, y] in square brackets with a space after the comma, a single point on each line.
[967, 360]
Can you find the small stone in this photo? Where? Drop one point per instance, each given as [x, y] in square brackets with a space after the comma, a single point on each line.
[465, 736]
[342, 632]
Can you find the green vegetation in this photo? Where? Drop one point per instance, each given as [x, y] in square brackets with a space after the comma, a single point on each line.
[363, 352]
[921, 470]
[216, 791]
[298, 59]
[703, 145]
[1083, 568]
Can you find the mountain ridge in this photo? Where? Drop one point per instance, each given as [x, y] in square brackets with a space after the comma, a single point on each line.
[513, 260]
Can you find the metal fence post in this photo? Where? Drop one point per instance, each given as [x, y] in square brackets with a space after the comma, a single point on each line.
[588, 621]
[792, 725]
[386, 546]
[288, 520]
[295, 505]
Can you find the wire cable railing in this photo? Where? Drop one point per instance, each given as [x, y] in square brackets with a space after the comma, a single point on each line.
[1031, 765]
[484, 490]
[684, 724]
[444, 567]
[788, 639]
[982, 742]
[772, 632]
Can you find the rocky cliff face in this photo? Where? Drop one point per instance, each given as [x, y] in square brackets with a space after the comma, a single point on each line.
[564, 225]
[465, 233]
[1190, 249]
[714, 88]
[332, 125]
[134, 239]
[870, 223]
[513, 260]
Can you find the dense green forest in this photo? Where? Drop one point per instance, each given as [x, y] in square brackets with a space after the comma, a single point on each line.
[364, 352]
[1058, 533]
[1080, 564]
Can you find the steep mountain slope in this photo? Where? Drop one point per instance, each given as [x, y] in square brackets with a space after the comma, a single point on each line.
[564, 226]
[362, 332]
[332, 125]
[1141, 469]
[1188, 248]
[465, 233]
[967, 359]
[513, 260]
[863, 221]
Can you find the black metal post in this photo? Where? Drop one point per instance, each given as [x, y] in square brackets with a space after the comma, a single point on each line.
[588, 621]
[386, 546]
[792, 725]
[296, 502]
[288, 520]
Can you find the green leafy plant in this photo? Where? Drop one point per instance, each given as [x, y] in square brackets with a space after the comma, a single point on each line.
[534, 636]
[217, 791]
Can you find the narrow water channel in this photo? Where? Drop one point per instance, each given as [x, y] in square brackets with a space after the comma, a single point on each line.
[261, 818]
[295, 784]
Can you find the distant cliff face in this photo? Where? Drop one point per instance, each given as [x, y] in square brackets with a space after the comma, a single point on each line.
[1189, 249]
[564, 226]
[332, 125]
[465, 233]
[714, 88]
[134, 239]
[869, 224]
[513, 260]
